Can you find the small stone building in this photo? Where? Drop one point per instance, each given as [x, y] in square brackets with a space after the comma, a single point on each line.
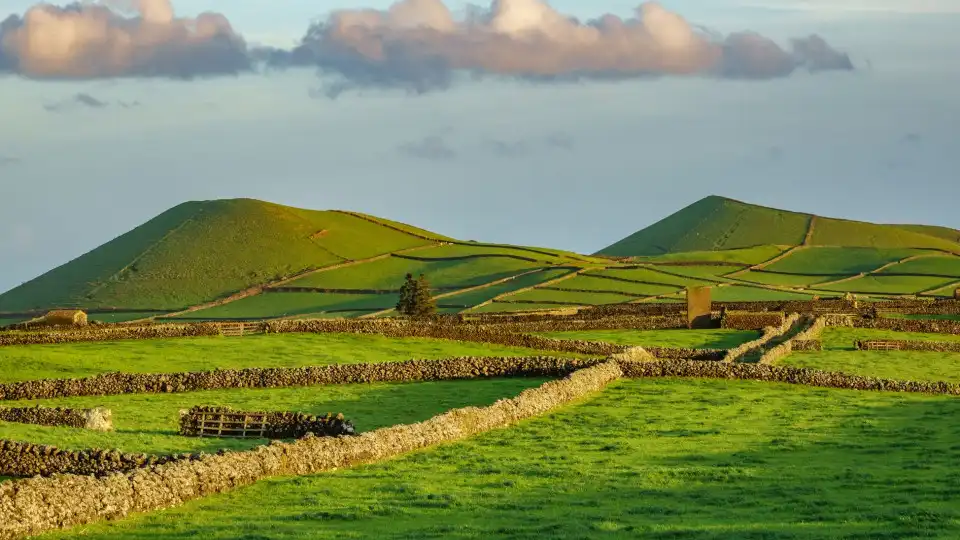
[65, 317]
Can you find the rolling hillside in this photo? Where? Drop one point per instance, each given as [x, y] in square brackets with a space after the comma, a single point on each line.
[243, 259]
[717, 223]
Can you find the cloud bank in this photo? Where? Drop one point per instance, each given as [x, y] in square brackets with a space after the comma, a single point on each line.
[415, 44]
[87, 40]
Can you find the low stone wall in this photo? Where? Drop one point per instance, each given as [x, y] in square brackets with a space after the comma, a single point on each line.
[278, 424]
[110, 333]
[926, 326]
[907, 345]
[411, 370]
[98, 419]
[739, 320]
[37, 505]
[565, 324]
[23, 459]
[680, 353]
[783, 374]
[769, 333]
[807, 345]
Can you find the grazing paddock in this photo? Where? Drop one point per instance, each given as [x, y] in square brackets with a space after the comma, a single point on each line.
[881, 284]
[688, 339]
[388, 273]
[148, 423]
[286, 304]
[670, 458]
[839, 354]
[206, 353]
[840, 260]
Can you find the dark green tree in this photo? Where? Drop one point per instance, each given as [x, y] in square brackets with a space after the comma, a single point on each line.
[405, 302]
[415, 298]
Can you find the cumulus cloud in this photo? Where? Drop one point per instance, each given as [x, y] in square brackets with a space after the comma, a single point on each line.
[419, 45]
[119, 38]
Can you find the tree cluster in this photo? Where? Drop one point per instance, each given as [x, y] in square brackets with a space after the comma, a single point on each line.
[415, 298]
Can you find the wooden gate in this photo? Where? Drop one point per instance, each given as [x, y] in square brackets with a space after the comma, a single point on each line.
[241, 329]
[233, 425]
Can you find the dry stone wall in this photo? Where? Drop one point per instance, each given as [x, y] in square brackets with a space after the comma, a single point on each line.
[278, 424]
[769, 333]
[98, 419]
[411, 370]
[907, 345]
[783, 374]
[109, 333]
[739, 320]
[926, 326]
[33, 506]
[23, 459]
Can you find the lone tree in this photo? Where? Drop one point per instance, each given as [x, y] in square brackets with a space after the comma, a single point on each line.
[415, 298]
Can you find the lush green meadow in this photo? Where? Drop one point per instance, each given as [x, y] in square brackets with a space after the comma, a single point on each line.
[667, 458]
[881, 284]
[148, 422]
[272, 305]
[695, 339]
[207, 353]
[475, 297]
[840, 354]
[839, 260]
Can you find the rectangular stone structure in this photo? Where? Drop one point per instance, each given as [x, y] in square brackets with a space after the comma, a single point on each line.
[699, 307]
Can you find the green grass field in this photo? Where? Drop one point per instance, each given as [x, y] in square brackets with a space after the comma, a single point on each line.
[940, 265]
[839, 354]
[714, 223]
[667, 458]
[695, 339]
[148, 423]
[651, 275]
[472, 298]
[880, 284]
[207, 353]
[569, 297]
[839, 260]
[285, 304]
[122, 317]
[784, 280]
[738, 293]
[505, 307]
[389, 273]
[590, 283]
[840, 232]
[750, 255]
[177, 259]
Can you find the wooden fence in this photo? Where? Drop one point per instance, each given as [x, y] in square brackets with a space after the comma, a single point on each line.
[240, 425]
[879, 345]
[241, 329]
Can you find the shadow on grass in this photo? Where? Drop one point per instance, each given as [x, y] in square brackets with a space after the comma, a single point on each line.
[649, 459]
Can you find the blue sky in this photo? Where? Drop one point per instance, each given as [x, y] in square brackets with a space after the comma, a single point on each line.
[567, 165]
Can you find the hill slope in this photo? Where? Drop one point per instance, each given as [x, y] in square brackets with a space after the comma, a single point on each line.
[717, 223]
[200, 251]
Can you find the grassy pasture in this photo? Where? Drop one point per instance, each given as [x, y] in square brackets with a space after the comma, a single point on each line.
[880, 284]
[467, 250]
[947, 265]
[285, 304]
[501, 307]
[570, 297]
[785, 280]
[696, 274]
[738, 293]
[749, 255]
[841, 232]
[206, 353]
[839, 354]
[696, 339]
[839, 260]
[666, 458]
[650, 275]
[714, 223]
[389, 273]
[149, 422]
[590, 283]
[479, 296]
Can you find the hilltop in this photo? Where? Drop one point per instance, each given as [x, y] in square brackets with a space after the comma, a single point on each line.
[202, 250]
[718, 223]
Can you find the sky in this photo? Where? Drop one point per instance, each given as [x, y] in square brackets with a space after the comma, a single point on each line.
[505, 123]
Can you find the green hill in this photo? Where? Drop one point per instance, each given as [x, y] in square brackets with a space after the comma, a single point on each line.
[717, 223]
[201, 251]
